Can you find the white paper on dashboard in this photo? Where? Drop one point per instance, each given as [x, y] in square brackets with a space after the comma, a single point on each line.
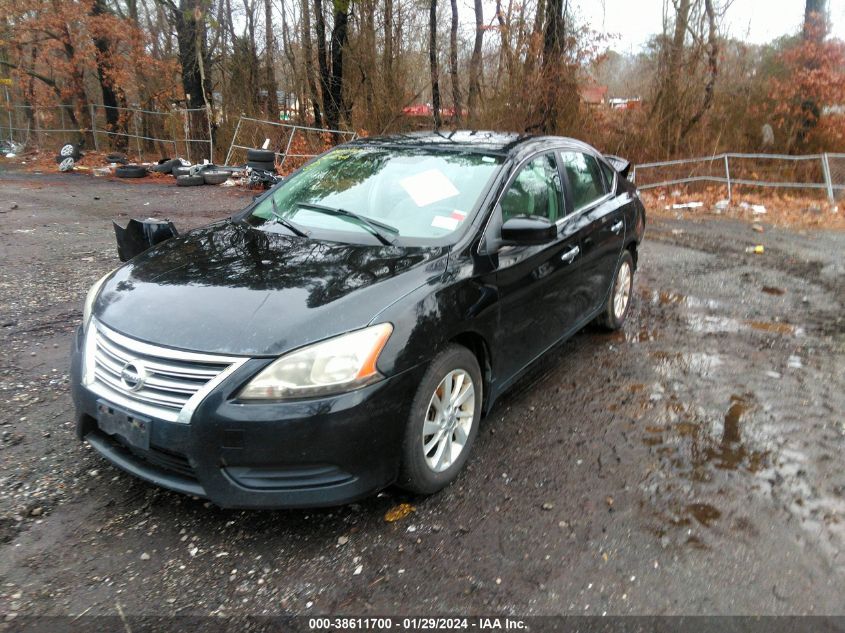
[428, 187]
[445, 222]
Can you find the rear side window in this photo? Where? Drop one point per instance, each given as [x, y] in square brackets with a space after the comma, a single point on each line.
[535, 191]
[585, 178]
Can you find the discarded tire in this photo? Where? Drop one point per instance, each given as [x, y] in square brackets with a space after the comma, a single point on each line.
[130, 171]
[263, 166]
[117, 157]
[66, 164]
[166, 167]
[190, 181]
[215, 177]
[180, 170]
[70, 150]
[260, 156]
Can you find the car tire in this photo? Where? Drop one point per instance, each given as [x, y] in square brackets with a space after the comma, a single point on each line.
[260, 164]
[215, 177]
[621, 292]
[260, 156]
[165, 167]
[190, 181]
[117, 157]
[70, 150]
[430, 434]
[130, 171]
[180, 170]
[67, 164]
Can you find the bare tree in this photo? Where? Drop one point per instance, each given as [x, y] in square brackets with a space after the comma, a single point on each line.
[432, 60]
[453, 65]
[308, 53]
[269, 51]
[815, 20]
[475, 64]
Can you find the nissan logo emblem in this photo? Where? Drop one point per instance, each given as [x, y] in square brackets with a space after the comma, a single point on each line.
[133, 375]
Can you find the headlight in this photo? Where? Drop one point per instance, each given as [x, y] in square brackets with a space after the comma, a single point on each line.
[339, 364]
[91, 298]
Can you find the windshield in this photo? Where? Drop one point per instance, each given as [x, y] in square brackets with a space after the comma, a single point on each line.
[380, 194]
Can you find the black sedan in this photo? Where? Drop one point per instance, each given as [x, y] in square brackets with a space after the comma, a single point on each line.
[350, 327]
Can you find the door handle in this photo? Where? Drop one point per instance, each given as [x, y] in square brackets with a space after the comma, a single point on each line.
[569, 255]
[618, 226]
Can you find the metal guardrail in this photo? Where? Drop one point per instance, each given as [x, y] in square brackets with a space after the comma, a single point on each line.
[833, 182]
[284, 155]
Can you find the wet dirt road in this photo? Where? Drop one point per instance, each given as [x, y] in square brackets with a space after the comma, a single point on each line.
[690, 464]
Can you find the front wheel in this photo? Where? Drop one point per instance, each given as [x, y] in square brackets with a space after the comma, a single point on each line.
[443, 422]
[619, 300]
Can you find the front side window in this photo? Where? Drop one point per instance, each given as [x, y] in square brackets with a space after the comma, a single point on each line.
[535, 191]
[609, 176]
[585, 178]
[406, 193]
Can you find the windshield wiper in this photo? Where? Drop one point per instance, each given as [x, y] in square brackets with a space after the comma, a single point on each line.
[285, 222]
[377, 228]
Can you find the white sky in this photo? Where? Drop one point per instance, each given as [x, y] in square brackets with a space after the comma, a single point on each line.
[754, 21]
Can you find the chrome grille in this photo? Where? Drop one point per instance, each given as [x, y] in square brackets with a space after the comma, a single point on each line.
[174, 381]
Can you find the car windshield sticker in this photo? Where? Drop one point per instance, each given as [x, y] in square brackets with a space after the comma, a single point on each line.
[445, 222]
[428, 187]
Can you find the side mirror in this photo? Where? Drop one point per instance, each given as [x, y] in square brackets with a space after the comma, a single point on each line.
[619, 164]
[527, 230]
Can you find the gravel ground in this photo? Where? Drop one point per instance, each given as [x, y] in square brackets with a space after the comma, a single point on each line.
[690, 464]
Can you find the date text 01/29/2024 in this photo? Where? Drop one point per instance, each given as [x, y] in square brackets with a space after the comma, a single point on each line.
[416, 624]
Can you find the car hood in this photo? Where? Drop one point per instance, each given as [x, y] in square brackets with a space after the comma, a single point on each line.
[233, 289]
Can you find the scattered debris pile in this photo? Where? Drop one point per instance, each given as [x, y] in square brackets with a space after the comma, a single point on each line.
[778, 209]
[260, 170]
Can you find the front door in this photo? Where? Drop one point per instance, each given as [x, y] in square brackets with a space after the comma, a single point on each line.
[533, 282]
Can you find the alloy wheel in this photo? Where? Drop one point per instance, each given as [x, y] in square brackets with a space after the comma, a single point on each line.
[448, 420]
[622, 290]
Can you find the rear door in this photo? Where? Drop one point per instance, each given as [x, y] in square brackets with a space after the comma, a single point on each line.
[533, 282]
[601, 214]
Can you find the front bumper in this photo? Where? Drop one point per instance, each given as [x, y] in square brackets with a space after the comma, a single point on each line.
[319, 452]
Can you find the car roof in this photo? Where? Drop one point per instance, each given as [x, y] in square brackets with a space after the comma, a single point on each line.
[508, 144]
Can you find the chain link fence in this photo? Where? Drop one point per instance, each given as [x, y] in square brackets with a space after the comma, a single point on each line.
[836, 175]
[146, 134]
[292, 144]
[31, 125]
[820, 172]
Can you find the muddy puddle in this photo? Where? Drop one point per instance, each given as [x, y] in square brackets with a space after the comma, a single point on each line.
[695, 450]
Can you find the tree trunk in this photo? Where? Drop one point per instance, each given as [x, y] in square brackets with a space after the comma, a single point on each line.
[309, 63]
[453, 65]
[712, 66]
[815, 30]
[432, 59]
[295, 78]
[367, 60]
[387, 59]
[323, 60]
[553, 34]
[815, 20]
[115, 122]
[505, 36]
[667, 103]
[339, 38]
[269, 72]
[189, 22]
[475, 64]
